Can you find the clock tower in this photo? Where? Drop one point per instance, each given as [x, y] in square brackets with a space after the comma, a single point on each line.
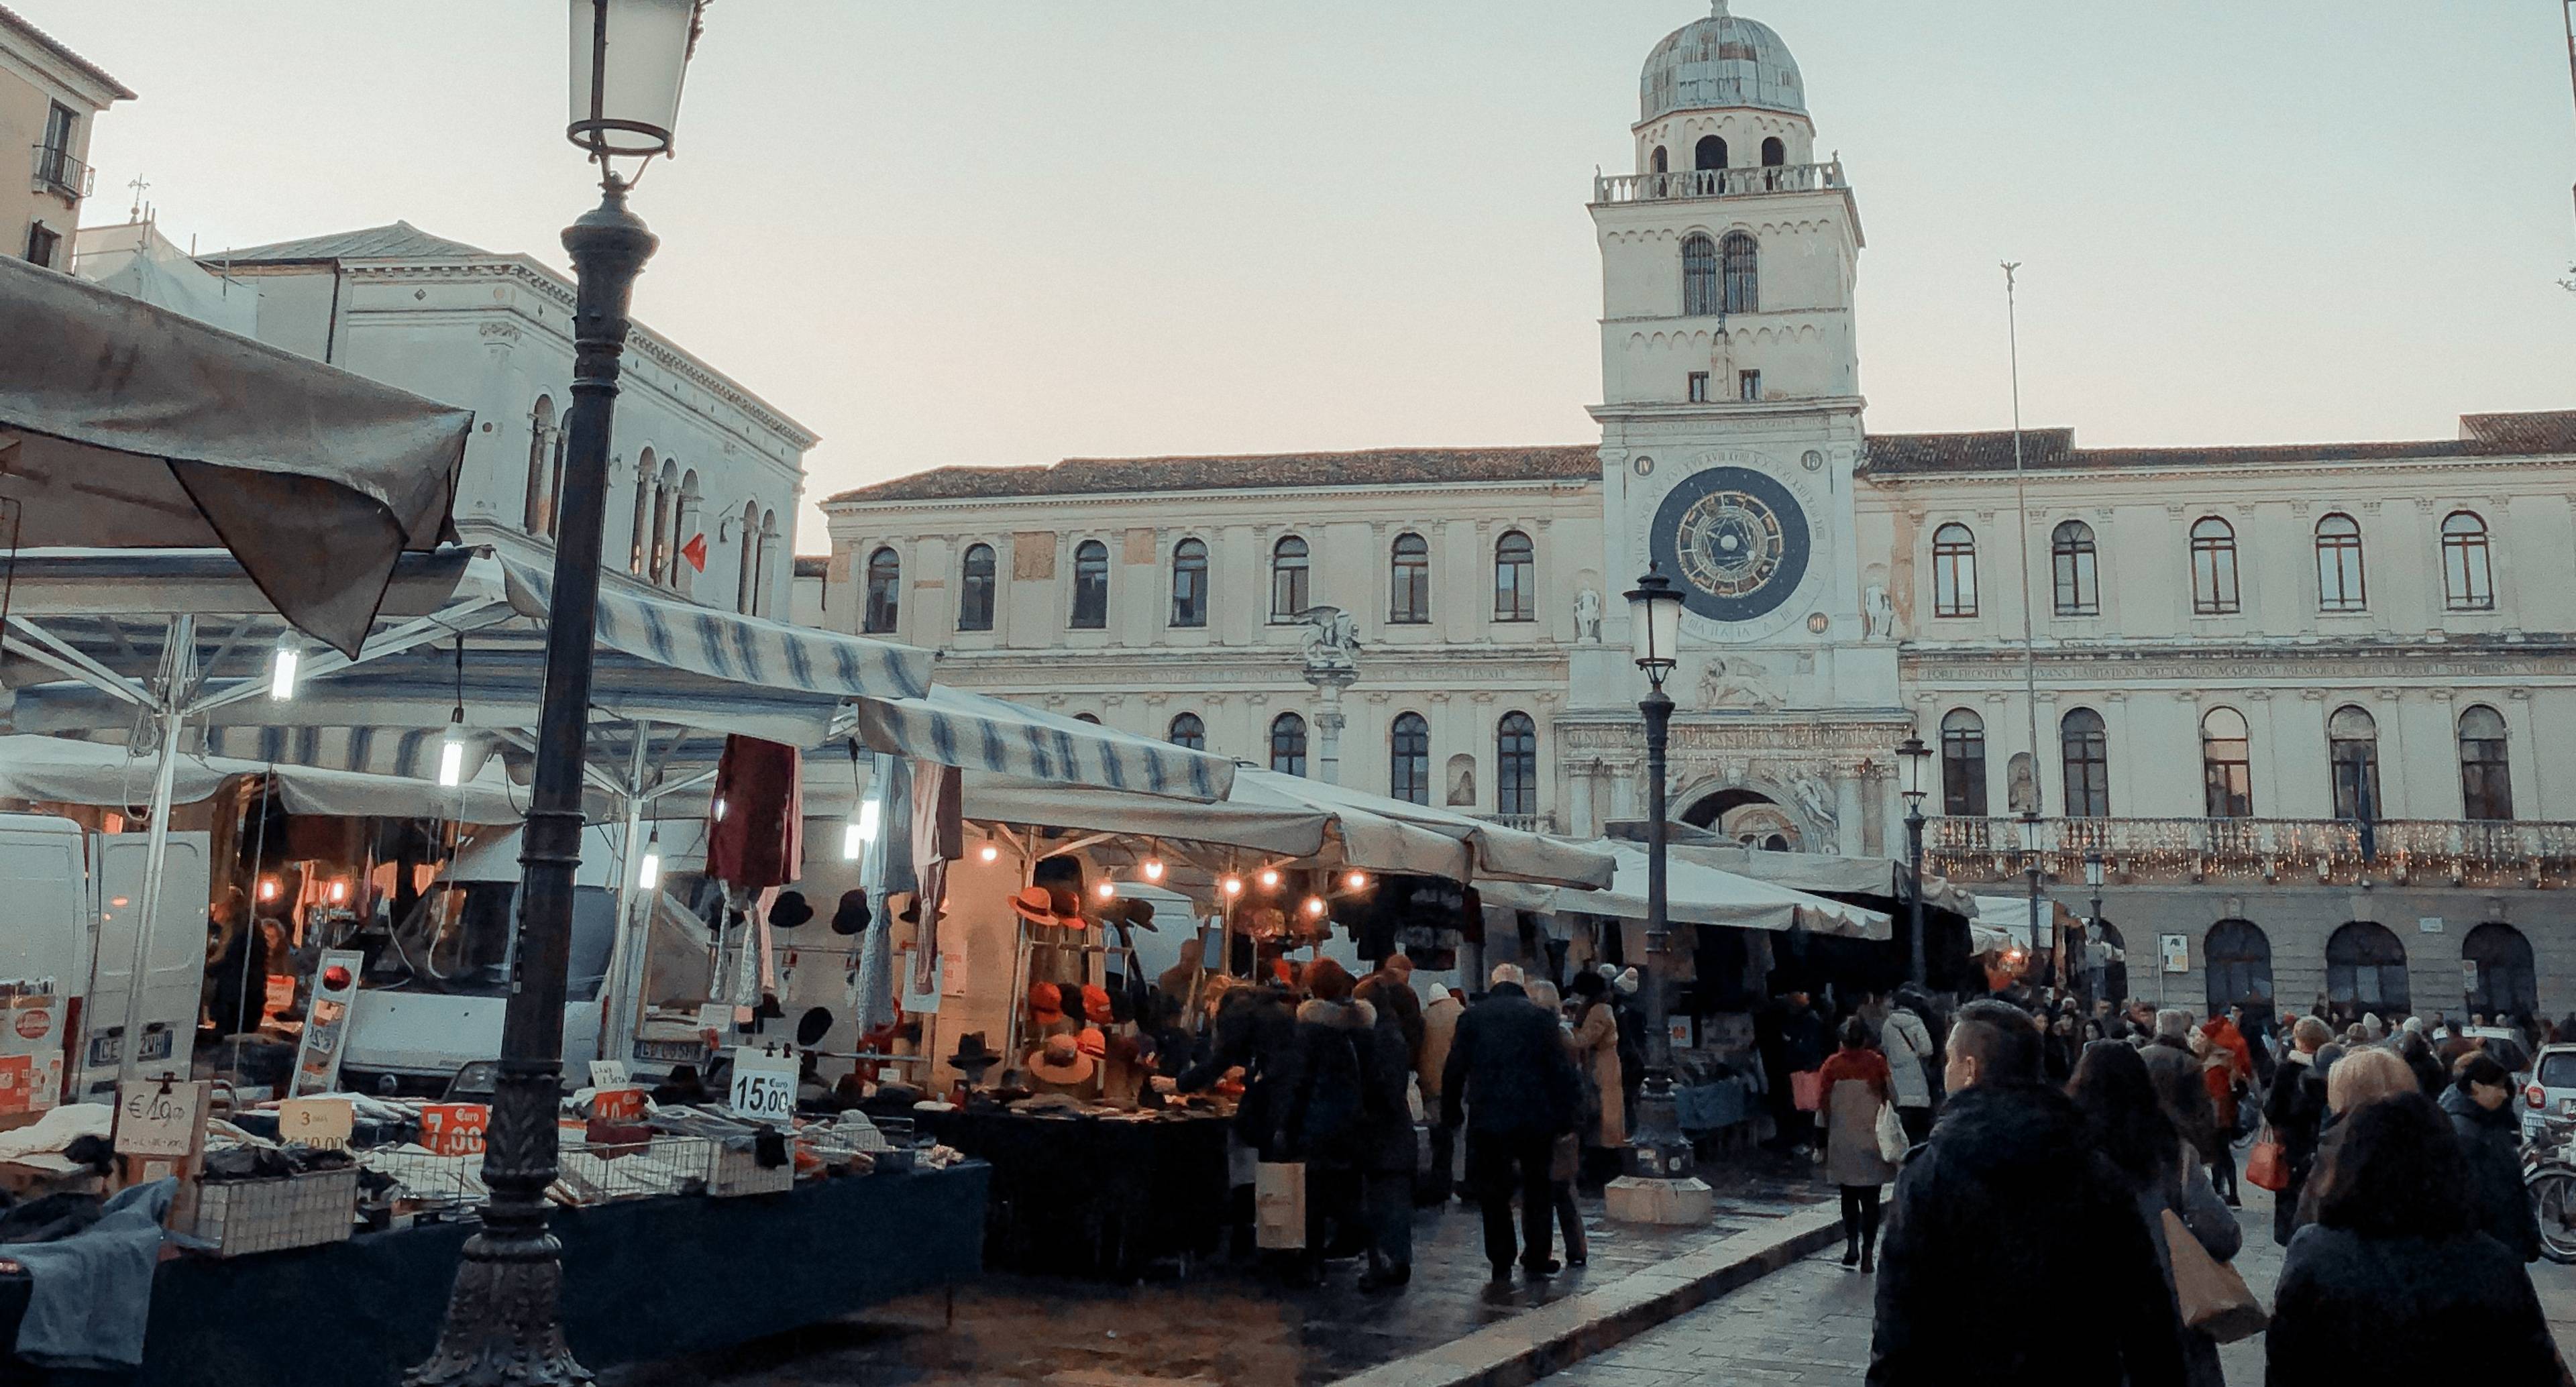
[1731, 427]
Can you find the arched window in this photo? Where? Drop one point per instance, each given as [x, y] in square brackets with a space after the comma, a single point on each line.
[1661, 162]
[1189, 732]
[2468, 579]
[1516, 766]
[976, 581]
[1699, 277]
[747, 564]
[666, 505]
[1090, 585]
[2486, 780]
[765, 576]
[1409, 582]
[1963, 764]
[2238, 957]
[539, 516]
[1954, 571]
[1515, 578]
[1408, 760]
[2086, 758]
[2213, 567]
[1288, 580]
[1190, 583]
[2339, 577]
[2366, 970]
[1710, 154]
[1092, 718]
[2499, 958]
[2079, 587]
[1288, 744]
[640, 543]
[885, 586]
[1741, 258]
[1774, 153]
[686, 526]
[2352, 757]
[2227, 764]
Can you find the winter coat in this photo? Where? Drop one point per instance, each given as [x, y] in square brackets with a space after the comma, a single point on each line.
[2007, 1206]
[1439, 1030]
[2184, 1091]
[1856, 1087]
[2430, 1076]
[1908, 1043]
[2186, 1191]
[1255, 1029]
[2296, 1108]
[2354, 1309]
[1386, 992]
[1336, 1109]
[2218, 1075]
[1594, 1043]
[2492, 1141]
[1508, 1073]
[1804, 1041]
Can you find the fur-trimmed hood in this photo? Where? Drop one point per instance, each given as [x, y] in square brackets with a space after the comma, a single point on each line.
[1354, 1014]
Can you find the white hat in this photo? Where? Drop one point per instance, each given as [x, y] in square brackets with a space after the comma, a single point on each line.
[1439, 992]
[1628, 982]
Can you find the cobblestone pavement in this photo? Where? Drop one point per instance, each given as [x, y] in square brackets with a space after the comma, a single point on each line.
[1223, 1324]
[1810, 1322]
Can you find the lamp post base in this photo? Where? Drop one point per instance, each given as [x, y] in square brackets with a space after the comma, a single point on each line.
[502, 1327]
[1657, 1200]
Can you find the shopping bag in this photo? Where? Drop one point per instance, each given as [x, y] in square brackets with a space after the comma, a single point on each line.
[2212, 1297]
[1807, 1090]
[1279, 1205]
[1892, 1144]
[2267, 1166]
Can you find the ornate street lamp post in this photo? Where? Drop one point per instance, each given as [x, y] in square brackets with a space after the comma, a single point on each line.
[503, 1323]
[2093, 924]
[1914, 761]
[2030, 869]
[1659, 1187]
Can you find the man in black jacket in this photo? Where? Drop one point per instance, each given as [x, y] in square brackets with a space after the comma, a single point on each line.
[2296, 1108]
[1510, 1071]
[2009, 1205]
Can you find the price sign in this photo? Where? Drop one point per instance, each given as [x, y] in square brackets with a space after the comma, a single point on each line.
[764, 1086]
[625, 1104]
[609, 1074]
[454, 1129]
[158, 1119]
[316, 1121]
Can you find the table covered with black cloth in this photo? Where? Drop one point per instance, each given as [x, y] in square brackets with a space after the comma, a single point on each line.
[643, 1279]
[1095, 1196]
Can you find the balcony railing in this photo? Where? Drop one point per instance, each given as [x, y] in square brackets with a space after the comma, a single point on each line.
[1527, 823]
[58, 172]
[1710, 183]
[2430, 851]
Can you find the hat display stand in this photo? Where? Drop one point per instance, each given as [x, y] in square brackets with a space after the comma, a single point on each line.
[1071, 933]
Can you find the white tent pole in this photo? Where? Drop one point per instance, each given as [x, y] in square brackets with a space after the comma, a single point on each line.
[177, 654]
[616, 1029]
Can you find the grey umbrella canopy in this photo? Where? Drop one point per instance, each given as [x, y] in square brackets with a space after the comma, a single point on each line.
[125, 425]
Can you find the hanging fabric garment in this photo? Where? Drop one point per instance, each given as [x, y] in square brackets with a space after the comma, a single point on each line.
[938, 838]
[886, 871]
[756, 817]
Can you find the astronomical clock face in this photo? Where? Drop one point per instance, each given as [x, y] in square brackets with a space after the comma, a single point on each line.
[1733, 540]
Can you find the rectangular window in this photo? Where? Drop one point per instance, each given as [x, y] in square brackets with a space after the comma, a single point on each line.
[55, 167]
[43, 245]
[1748, 385]
[1699, 387]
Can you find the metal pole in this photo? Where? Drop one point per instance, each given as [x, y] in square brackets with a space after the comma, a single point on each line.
[2021, 530]
[178, 664]
[1914, 971]
[633, 904]
[1661, 1150]
[503, 1322]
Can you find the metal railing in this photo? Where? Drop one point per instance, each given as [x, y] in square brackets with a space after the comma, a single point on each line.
[1527, 823]
[1990, 849]
[1711, 183]
[57, 171]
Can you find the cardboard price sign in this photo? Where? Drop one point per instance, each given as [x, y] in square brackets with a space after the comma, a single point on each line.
[159, 1119]
[316, 1121]
[454, 1129]
[764, 1086]
[618, 1104]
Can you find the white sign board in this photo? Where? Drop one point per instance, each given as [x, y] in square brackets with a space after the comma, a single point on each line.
[154, 1118]
[609, 1074]
[764, 1086]
[2177, 951]
[323, 1122]
[2428, 924]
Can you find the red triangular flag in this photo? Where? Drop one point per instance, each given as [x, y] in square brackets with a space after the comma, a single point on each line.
[695, 551]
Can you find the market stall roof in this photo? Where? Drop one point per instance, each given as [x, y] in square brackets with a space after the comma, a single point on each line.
[126, 424]
[1825, 873]
[1696, 894]
[57, 770]
[2004, 922]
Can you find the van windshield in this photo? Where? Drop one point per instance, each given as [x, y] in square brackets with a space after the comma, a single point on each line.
[458, 937]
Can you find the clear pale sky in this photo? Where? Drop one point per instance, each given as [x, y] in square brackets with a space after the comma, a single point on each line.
[1010, 231]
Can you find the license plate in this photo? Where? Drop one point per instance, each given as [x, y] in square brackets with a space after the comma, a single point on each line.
[156, 1044]
[671, 1051]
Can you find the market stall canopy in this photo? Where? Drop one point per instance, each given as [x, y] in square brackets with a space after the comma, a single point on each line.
[57, 770]
[2004, 922]
[1501, 854]
[956, 728]
[1696, 894]
[1825, 873]
[126, 424]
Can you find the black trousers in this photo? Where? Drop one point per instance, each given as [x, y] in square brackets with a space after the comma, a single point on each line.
[1860, 1217]
[1500, 1165]
[1441, 1180]
[1917, 1123]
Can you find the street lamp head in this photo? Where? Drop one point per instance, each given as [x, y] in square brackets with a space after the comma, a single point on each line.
[1655, 624]
[2093, 869]
[1914, 764]
[628, 58]
[2030, 833]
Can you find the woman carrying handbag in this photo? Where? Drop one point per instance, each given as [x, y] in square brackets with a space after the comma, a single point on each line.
[1857, 1098]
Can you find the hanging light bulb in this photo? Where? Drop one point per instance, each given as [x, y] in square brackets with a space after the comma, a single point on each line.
[1269, 878]
[281, 668]
[268, 888]
[648, 873]
[990, 852]
[1106, 890]
[1233, 886]
[451, 752]
[1153, 869]
[1357, 881]
[339, 892]
[1315, 905]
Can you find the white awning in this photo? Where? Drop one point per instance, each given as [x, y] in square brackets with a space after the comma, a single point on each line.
[1699, 895]
[59, 771]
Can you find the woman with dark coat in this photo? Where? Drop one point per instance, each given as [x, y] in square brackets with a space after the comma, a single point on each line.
[1335, 1115]
[2480, 1105]
[2394, 1282]
[2128, 1125]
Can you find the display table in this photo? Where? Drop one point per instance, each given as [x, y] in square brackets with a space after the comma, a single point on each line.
[1088, 1196]
[643, 1279]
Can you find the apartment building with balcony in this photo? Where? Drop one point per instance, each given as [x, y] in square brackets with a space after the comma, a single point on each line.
[49, 97]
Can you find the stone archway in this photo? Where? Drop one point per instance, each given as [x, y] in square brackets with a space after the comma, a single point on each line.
[1746, 816]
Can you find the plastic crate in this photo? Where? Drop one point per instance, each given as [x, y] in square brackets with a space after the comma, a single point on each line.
[734, 1173]
[241, 1217]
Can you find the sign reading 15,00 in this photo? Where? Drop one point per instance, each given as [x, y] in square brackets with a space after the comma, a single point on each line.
[764, 1086]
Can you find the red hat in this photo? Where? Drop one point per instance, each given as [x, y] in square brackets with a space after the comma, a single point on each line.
[1067, 903]
[1092, 1042]
[1095, 1005]
[1045, 1005]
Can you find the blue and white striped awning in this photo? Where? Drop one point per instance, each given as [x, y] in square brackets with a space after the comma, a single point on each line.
[980, 732]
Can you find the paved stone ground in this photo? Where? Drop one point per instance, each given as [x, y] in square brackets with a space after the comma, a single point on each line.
[1810, 1324]
[1224, 1324]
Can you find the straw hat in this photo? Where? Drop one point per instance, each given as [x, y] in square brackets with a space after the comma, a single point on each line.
[1061, 1061]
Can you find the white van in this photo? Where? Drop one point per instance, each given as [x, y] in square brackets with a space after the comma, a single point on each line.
[70, 902]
